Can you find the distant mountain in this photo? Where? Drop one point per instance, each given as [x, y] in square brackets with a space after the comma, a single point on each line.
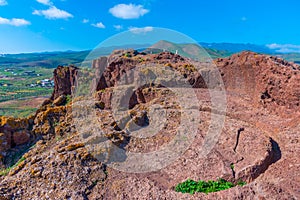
[190, 50]
[292, 57]
[214, 50]
[45, 59]
[53, 59]
[235, 47]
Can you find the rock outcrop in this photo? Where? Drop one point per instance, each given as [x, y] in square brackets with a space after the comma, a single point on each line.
[121, 64]
[136, 71]
[267, 80]
[64, 81]
[79, 159]
[19, 134]
[13, 133]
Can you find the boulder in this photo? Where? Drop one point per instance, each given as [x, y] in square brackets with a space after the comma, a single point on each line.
[61, 100]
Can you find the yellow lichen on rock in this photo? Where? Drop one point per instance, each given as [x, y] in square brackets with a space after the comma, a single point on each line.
[72, 147]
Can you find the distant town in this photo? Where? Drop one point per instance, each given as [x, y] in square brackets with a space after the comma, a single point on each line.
[13, 72]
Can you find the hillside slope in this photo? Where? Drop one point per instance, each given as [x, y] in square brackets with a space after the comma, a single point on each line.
[81, 146]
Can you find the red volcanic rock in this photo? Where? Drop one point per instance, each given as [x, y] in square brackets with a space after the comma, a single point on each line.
[119, 62]
[5, 144]
[268, 81]
[123, 64]
[105, 97]
[99, 66]
[64, 80]
[258, 142]
[132, 72]
[14, 132]
[21, 137]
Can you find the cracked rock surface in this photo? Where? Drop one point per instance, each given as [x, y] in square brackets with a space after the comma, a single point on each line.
[77, 151]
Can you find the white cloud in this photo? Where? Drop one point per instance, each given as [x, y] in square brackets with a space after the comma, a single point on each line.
[4, 20]
[45, 2]
[284, 48]
[3, 2]
[137, 30]
[19, 22]
[85, 21]
[99, 25]
[14, 21]
[53, 13]
[128, 11]
[118, 27]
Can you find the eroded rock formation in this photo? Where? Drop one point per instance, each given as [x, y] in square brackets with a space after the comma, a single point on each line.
[267, 80]
[259, 142]
[64, 81]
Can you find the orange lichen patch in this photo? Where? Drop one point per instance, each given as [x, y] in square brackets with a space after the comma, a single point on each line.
[117, 137]
[84, 155]
[72, 147]
[60, 150]
[189, 67]
[20, 166]
[52, 111]
[15, 123]
[168, 65]
[49, 118]
[36, 171]
[35, 159]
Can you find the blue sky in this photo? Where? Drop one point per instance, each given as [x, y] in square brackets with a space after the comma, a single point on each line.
[48, 25]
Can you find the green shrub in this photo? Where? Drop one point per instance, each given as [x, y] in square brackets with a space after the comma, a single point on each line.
[68, 99]
[241, 183]
[127, 55]
[191, 186]
[5, 171]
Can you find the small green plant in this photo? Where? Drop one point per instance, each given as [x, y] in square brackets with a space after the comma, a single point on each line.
[232, 166]
[241, 183]
[68, 99]
[58, 138]
[191, 186]
[56, 123]
[127, 55]
[5, 171]
[32, 147]
[102, 90]
[95, 182]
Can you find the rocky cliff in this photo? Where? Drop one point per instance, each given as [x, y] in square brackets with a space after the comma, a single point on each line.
[258, 143]
[18, 135]
[64, 81]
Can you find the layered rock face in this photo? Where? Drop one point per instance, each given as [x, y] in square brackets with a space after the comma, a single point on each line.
[64, 81]
[136, 71]
[82, 159]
